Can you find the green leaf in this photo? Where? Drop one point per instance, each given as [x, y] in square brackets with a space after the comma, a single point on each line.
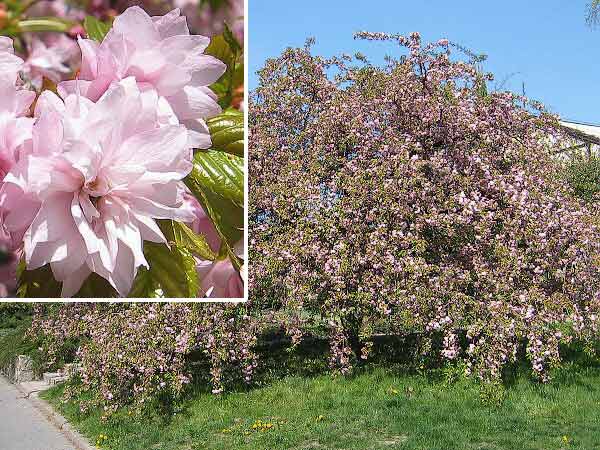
[173, 268]
[38, 283]
[221, 173]
[217, 181]
[228, 252]
[186, 238]
[238, 75]
[145, 285]
[214, 4]
[228, 118]
[227, 132]
[181, 235]
[231, 40]
[228, 50]
[220, 49]
[96, 287]
[95, 29]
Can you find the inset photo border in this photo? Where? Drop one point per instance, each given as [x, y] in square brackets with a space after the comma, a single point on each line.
[124, 160]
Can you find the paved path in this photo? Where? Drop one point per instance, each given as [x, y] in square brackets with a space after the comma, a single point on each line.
[22, 427]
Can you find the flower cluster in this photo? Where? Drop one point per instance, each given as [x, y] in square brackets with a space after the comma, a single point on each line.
[136, 353]
[409, 200]
[55, 55]
[88, 175]
[207, 18]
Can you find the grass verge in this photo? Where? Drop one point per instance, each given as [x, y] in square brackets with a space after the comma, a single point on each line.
[377, 408]
[13, 342]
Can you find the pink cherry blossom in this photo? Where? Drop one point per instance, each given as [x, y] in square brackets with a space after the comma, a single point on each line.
[10, 64]
[162, 55]
[54, 56]
[57, 8]
[219, 279]
[6, 45]
[14, 128]
[15, 131]
[103, 173]
[406, 196]
[51, 57]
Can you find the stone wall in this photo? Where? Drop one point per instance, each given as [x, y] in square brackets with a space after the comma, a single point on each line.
[23, 369]
[19, 371]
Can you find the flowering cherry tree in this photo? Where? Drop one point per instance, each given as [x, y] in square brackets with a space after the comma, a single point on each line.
[124, 178]
[408, 200]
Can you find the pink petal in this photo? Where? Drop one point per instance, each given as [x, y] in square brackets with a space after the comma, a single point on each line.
[6, 44]
[149, 229]
[137, 26]
[47, 102]
[20, 209]
[23, 100]
[206, 70]
[89, 58]
[148, 207]
[48, 134]
[173, 78]
[179, 48]
[198, 133]
[83, 226]
[67, 88]
[157, 149]
[171, 24]
[194, 103]
[53, 222]
[220, 280]
[10, 65]
[72, 284]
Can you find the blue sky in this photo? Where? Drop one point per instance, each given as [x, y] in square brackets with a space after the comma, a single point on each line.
[545, 44]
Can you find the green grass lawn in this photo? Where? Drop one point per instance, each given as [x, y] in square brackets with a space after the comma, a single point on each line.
[378, 408]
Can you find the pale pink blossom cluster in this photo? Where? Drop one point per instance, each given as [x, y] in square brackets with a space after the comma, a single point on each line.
[85, 179]
[206, 18]
[51, 55]
[132, 353]
[15, 132]
[56, 56]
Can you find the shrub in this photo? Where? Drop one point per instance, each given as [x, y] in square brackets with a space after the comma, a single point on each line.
[583, 174]
[13, 314]
[408, 198]
[138, 353]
